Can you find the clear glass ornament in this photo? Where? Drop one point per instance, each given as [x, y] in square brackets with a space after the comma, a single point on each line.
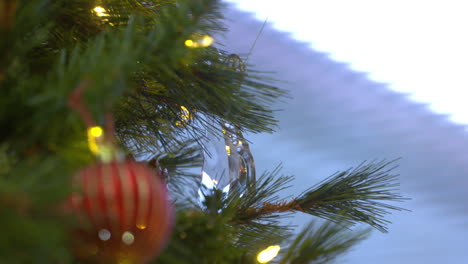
[228, 163]
[240, 159]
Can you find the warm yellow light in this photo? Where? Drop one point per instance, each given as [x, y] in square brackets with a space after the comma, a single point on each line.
[189, 43]
[228, 150]
[141, 226]
[95, 131]
[184, 113]
[184, 116]
[268, 254]
[100, 11]
[93, 134]
[202, 42]
[207, 41]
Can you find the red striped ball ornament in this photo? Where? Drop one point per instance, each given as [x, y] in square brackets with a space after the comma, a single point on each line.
[125, 211]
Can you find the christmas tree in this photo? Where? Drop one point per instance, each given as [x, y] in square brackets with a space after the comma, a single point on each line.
[108, 108]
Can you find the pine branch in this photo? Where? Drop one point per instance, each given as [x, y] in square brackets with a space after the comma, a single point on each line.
[205, 81]
[29, 197]
[323, 244]
[135, 57]
[353, 196]
[259, 229]
[174, 166]
[348, 197]
[200, 237]
[254, 202]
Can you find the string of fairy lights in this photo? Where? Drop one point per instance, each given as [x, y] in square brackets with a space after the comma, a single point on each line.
[96, 133]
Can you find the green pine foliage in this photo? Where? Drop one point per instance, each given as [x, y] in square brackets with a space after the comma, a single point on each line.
[133, 61]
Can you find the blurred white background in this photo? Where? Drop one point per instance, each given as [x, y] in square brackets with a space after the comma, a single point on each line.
[347, 64]
[419, 47]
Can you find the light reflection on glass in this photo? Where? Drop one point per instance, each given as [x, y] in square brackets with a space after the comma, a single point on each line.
[104, 234]
[141, 226]
[128, 238]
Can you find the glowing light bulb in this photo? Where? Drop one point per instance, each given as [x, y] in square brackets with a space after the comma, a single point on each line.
[189, 43]
[93, 134]
[268, 254]
[202, 42]
[228, 150]
[100, 11]
[207, 41]
[95, 131]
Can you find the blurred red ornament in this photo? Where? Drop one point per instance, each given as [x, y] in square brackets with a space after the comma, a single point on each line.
[125, 211]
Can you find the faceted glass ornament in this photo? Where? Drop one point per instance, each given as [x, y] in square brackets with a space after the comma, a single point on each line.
[228, 163]
[215, 165]
[240, 159]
